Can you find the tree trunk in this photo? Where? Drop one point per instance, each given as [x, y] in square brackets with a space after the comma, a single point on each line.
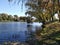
[52, 19]
[59, 15]
[43, 26]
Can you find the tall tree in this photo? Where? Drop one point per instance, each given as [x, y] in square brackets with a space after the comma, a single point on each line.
[58, 9]
[16, 18]
[10, 17]
[38, 9]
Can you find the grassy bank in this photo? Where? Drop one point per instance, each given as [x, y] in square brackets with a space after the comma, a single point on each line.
[14, 43]
[50, 35]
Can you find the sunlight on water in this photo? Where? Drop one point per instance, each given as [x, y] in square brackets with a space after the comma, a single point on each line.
[37, 24]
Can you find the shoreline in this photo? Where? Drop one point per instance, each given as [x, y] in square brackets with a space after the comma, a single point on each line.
[14, 43]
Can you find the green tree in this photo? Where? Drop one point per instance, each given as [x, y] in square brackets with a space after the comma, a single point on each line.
[22, 18]
[29, 19]
[1, 17]
[10, 18]
[38, 9]
[43, 10]
[4, 16]
[16, 18]
[52, 6]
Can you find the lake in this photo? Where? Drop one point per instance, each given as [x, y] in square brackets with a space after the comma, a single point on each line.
[16, 31]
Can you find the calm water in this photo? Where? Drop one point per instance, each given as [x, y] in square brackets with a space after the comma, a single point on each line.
[16, 31]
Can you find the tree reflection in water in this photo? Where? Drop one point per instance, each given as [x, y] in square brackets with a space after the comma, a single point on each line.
[31, 35]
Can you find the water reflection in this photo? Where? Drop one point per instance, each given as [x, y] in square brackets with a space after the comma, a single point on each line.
[29, 33]
[17, 31]
[29, 29]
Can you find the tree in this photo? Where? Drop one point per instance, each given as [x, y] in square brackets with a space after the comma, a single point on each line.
[4, 16]
[1, 18]
[29, 19]
[10, 18]
[22, 19]
[59, 9]
[16, 18]
[38, 9]
[43, 9]
[50, 5]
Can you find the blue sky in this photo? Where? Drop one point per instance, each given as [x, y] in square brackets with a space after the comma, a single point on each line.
[11, 8]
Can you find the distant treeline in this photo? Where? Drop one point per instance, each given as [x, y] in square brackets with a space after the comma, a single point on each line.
[6, 17]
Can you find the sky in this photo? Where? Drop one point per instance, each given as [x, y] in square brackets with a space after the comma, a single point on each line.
[11, 8]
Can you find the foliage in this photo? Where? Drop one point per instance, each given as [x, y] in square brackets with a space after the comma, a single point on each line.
[50, 35]
[43, 10]
[6, 17]
[22, 18]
